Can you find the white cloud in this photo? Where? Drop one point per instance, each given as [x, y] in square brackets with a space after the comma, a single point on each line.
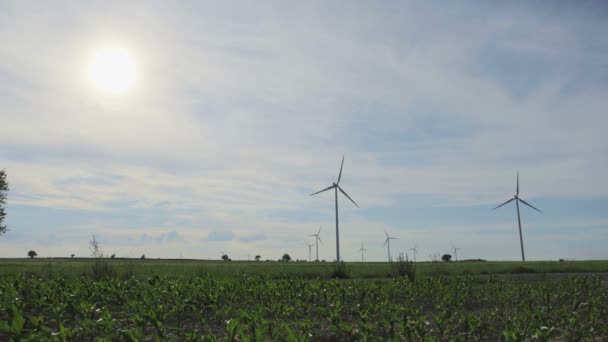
[242, 111]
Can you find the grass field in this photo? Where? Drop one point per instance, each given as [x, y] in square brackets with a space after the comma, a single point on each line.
[231, 269]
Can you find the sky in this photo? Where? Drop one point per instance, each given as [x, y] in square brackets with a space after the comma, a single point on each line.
[242, 109]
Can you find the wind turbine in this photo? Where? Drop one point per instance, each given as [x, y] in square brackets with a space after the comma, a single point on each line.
[309, 251]
[317, 240]
[517, 200]
[415, 249]
[387, 242]
[336, 187]
[362, 250]
[456, 249]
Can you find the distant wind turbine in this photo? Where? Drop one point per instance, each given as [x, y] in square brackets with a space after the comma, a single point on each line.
[517, 200]
[317, 240]
[362, 250]
[309, 250]
[415, 249]
[456, 249]
[336, 187]
[387, 242]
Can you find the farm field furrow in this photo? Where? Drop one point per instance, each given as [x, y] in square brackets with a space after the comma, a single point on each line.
[256, 308]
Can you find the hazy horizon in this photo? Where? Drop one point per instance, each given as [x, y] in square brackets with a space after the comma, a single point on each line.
[229, 115]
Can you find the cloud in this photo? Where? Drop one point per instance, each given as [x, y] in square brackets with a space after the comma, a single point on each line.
[254, 237]
[240, 115]
[220, 236]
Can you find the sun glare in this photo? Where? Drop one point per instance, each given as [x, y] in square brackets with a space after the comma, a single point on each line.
[112, 70]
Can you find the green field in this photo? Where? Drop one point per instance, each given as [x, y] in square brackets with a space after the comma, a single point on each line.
[189, 300]
[228, 269]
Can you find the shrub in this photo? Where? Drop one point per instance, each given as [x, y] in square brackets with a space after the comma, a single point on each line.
[101, 267]
[340, 271]
[405, 267]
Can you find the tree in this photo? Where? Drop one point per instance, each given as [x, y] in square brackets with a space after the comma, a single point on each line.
[446, 257]
[225, 257]
[3, 191]
[286, 257]
[257, 258]
[32, 254]
[143, 257]
[73, 255]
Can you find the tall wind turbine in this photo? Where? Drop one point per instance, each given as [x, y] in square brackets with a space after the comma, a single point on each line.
[456, 249]
[309, 251]
[387, 242]
[517, 200]
[362, 250]
[317, 240]
[336, 187]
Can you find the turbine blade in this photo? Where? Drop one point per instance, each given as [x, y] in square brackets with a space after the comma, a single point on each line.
[529, 205]
[392, 238]
[340, 174]
[342, 191]
[319, 232]
[504, 203]
[321, 241]
[517, 189]
[329, 187]
[385, 241]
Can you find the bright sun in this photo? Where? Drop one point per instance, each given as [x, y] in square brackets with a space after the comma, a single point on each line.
[112, 70]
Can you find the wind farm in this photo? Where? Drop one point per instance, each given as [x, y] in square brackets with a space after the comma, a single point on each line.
[303, 171]
[317, 240]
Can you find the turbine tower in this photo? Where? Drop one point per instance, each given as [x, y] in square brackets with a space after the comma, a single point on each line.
[317, 240]
[309, 251]
[456, 249]
[387, 242]
[362, 250]
[336, 187]
[517, 200]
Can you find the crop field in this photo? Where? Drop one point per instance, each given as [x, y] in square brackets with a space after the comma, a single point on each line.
[64, 305]
[278, 270]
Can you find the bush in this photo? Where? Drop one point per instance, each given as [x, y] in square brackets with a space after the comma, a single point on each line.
[340, 271]
[405, 267]
[101, 267]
